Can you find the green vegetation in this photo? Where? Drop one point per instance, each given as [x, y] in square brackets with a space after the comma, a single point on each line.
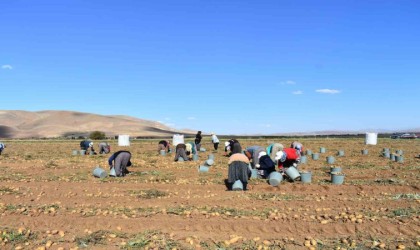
[97, 135]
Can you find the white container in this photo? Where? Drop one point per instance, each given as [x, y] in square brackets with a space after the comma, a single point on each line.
[275, 178]
[293, 173]
[99, 172]
[177, 139]
[112, 172]
[123, 140]
[238, 186]
[371, 138]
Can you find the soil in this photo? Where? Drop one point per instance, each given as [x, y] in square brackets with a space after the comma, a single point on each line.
[49, 199]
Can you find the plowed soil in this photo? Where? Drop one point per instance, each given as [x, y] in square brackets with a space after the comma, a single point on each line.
[49, 199]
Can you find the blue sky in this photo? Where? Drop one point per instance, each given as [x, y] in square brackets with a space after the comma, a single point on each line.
[232, 67]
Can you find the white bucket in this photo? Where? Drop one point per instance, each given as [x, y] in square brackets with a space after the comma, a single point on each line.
[195, 157]
[203, 169]
[238, 186]
[162, 152]
[177, 139]
[209, 162]
[371, 138]
[292, 173]
[112, 172]
[123, 140]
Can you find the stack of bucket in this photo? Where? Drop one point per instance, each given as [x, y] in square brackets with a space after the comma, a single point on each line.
[337, 177]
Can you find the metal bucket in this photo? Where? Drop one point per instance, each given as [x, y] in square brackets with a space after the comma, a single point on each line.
[303, 159]
[195, 157]
[330, 159]
[340, 153]
[337, 179]
[99, 172]
[275, 178]
[292, 173]
[238, 186]
[306, 177]
[209, 162]
[162, 152]
[399, 152]
[308, 152]
[386, 150]
[335, 170]
[75, 152]
[392, 157]
[203, 169]
[254, 174]
[322, 150]
[386, 154]
[364, 151]
[399, 158]
[315, 156]
[82, 152]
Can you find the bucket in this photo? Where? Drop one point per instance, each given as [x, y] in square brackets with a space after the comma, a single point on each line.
[306, 177]
[203, 169]
[254, 174]
[386, 150]
[75, 152]
[399, 152]
[364, 151]
[82, 152]
[162, 152]
[371, 138]
[210, 157]
[209, 162]
[330, 159]
[99, 172]
[322, 150]
[123, 140]
[91, 153]
[340, 153]
[308, 152]
[112, 172]
[238, 186]
[386, 154]
[315, 156]
[180, 159]
[399, 158]
[292, 173]
[337, 179]
[195, 157]
[335, 170]
[275, 178]
[202, 150]
[392, 157]
[303, 159]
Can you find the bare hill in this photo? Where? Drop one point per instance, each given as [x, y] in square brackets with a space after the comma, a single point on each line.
[48, 124]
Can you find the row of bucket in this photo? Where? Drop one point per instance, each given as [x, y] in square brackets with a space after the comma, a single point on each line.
[397, 156]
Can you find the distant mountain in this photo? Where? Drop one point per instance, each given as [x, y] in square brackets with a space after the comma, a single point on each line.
[50, 124]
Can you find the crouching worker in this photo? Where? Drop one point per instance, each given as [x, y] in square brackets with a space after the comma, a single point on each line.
[104, 148]
[233, 146]
[265, 165]
[2, 147]
[120, 160]
[273, 148]
[298, 146]
[252, 152]
[181, 151]
[164, 145]
[87, 145]
[287, 158]
[238, 170]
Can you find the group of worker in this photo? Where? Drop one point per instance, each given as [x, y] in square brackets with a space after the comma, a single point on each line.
[263, 160]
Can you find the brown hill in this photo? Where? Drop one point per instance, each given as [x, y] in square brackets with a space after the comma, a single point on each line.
[49, 124]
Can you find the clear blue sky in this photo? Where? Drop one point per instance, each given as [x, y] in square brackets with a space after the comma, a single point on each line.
[225, 66]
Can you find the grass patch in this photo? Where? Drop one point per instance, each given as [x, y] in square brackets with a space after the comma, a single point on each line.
[405, 212]
[95, 238]
[389, 181]
[407, 197]
[152, 239]
[14, 236]
[6, 190]
[149, 194]
[275, 197]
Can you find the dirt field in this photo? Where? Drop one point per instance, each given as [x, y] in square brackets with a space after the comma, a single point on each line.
[49, 199]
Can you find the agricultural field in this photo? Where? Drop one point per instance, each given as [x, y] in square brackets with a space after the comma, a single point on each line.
[49, 199]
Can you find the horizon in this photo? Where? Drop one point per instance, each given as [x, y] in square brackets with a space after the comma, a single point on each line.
[225, 67]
